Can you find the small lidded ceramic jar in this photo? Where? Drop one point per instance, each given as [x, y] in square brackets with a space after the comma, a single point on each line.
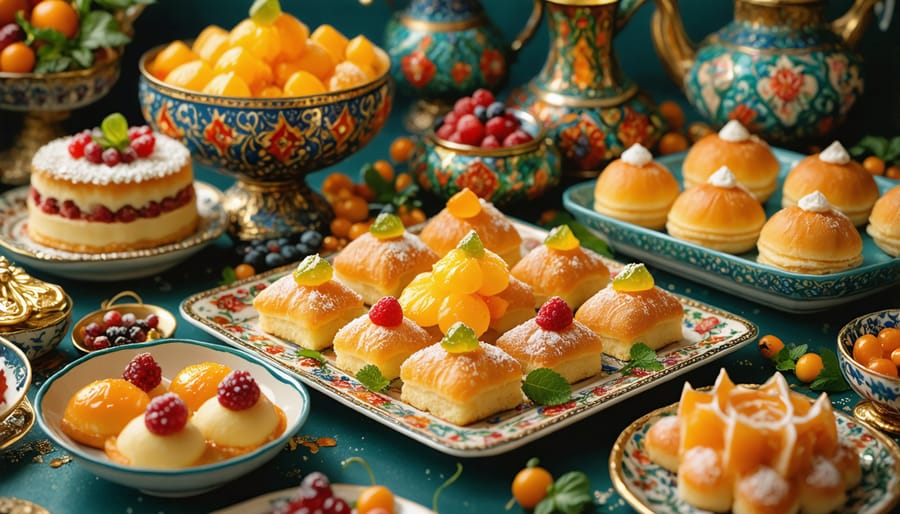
[503, 175]
[34, 315]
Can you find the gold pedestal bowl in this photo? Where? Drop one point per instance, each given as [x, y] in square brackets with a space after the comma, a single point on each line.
[47, 99]
[269, 144]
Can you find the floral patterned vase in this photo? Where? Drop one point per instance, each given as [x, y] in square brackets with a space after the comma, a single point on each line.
[779, 68]
[592, 110]
[443, 49]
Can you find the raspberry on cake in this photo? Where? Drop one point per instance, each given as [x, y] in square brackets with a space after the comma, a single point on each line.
[86, 199]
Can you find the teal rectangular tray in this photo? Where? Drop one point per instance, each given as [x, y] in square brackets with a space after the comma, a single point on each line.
[740, 275]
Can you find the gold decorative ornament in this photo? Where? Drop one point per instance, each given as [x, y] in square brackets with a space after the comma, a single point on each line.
[26, 302]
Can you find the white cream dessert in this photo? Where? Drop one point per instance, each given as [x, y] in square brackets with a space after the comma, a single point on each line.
[240, 416]
[82, 206]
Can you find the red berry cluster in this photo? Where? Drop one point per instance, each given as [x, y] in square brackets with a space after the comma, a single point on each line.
[103, 214]
[143, 371]
[118, 329]
[554, 315]
[314, 495]
[87, 144]
[238, 391]
[166, 414]
[480, 120]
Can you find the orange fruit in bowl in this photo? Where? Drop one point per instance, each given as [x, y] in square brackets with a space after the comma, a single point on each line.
[211, 43]
[193, 75]
[347, 75]
[9, 8]
[246, 65]
[283, 70]
[303, 83]
[261, 40]
[332, 40]
[173, 55]
[360, 51]
[227, 84]
[57, 15]
[316, 60]
[271, 91]
[293, 34]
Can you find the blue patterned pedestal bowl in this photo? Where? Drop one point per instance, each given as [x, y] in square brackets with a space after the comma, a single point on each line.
[881, 393]
[779, 67]
[502, 176]
[47, 99]
[269, 144]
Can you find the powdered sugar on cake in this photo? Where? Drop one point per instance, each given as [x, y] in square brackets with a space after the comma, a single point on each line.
[168, 157]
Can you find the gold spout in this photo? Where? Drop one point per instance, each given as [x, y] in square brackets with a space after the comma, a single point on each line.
[673, 46]
[851, 26]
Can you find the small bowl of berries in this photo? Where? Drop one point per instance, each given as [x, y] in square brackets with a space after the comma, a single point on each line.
[117, 324]
[503, 155]
[869, 355]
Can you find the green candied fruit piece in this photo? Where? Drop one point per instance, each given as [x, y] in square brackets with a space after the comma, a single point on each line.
[633, 277]
[472, 245]
[460, 339]
[265, 12]
[387, 226]
[313, 271]
[561, 238]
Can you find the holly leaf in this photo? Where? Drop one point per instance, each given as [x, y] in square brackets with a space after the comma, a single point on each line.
[570, 494]
[544, 386]
[311, 354]
[643, 357]
[371, 377]
[830, 379]
[99, 29]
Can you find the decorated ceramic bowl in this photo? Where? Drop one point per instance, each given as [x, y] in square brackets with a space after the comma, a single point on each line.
[61, 91]
[38, 339]
[504, 175]
[16, 372]
[881, 393]
[172, 355]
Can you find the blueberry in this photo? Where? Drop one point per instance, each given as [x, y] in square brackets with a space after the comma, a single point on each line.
[242, 248]
[481, 113]
[274, 259]
[119, 341]
[255, 258]
[496, 109]
[257, 242]
[312, 238]
[304, 249]
[289, 252]
[283, 241]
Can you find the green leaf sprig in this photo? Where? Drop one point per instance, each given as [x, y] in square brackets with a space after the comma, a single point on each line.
[544, 386]
[886, 149]
[228, 276]
[385, 191]
[569, 494]
[587, 238]
[830, 379]
[643, 357]
[312, 354]
[786, 358]
[371, 377]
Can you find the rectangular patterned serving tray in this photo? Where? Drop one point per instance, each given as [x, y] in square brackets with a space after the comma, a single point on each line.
[227, 313]
[741, 275]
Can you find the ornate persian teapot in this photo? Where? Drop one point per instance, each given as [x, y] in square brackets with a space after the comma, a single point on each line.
[779, 67]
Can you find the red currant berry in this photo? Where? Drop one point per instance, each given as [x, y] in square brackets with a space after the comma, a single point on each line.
[483, 97]
[238, 391]
[386, 312]
[317, 482]
[100, 342]
[77, 144]
[143, 371]
[129, 155]
[445, 131]
[451, 118]
[93, 152]
[518, 137]
[499, 127]
[455, 138]
[464, 105]
[152, 321]
[490, 141]
[111, 157]
[470, 130]
[554, 315]
[50, 206]
[112, 318]
[70, 210]
[166, 414]
[126, 214]
[143, 145]
[101, 214]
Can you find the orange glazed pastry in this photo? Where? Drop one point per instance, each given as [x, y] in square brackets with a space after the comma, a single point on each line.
[562, 267]
[844, 182]
[884, 222]
[631, 310]
[718, 214]
[747, 156]
[460, 379]
[811, 238]
[553, 339]
[755, 450]
[466, 212]
[101, 410]
[307, 307]
[636, 189]
[383, 337]
[383, 261]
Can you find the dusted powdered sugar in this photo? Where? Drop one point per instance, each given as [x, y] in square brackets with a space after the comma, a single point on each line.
[703, 465]
[814, 202]
[734, 132]
[765, 487]
[637, 155]
[168, 157]
[824, 474]
[835, 154]
[724, 178]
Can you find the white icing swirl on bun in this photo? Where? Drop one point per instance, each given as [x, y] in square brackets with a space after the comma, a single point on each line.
[734, 132]
[637, 155]
[724, 178]
[814, 202]
[835, 154]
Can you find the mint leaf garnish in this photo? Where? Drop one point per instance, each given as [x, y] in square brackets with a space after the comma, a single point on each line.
[570, 494]
[786, 358]
[371, 377]
[643, 357]
[587, 238]
[544, 386]
[115, 130]
[228, 276]
[311, 354]
[830, 378]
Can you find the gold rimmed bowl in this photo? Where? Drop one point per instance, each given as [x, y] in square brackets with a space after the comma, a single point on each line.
[269, 144]
[880, 405]
[503, 176]
[165, 328]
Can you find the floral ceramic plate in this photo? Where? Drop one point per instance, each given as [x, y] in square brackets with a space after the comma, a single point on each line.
[650, 489]
[265, 503]
[106, 266]
[741, 274]
[227, 312]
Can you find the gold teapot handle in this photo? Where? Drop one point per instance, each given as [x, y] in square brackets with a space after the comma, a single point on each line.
[106, 304]
[672, 44]
[851, 26]
[127, 17]
[530, 26]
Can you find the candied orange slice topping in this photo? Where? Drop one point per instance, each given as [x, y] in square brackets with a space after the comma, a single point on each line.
[633, 277]
[464, 204]
[561, 238]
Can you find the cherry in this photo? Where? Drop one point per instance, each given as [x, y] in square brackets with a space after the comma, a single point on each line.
[483, 97]
[470, 129]
[93, 152]
[111, 157]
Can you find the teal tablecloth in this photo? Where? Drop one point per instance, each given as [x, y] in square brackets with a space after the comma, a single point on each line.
[410, 469]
